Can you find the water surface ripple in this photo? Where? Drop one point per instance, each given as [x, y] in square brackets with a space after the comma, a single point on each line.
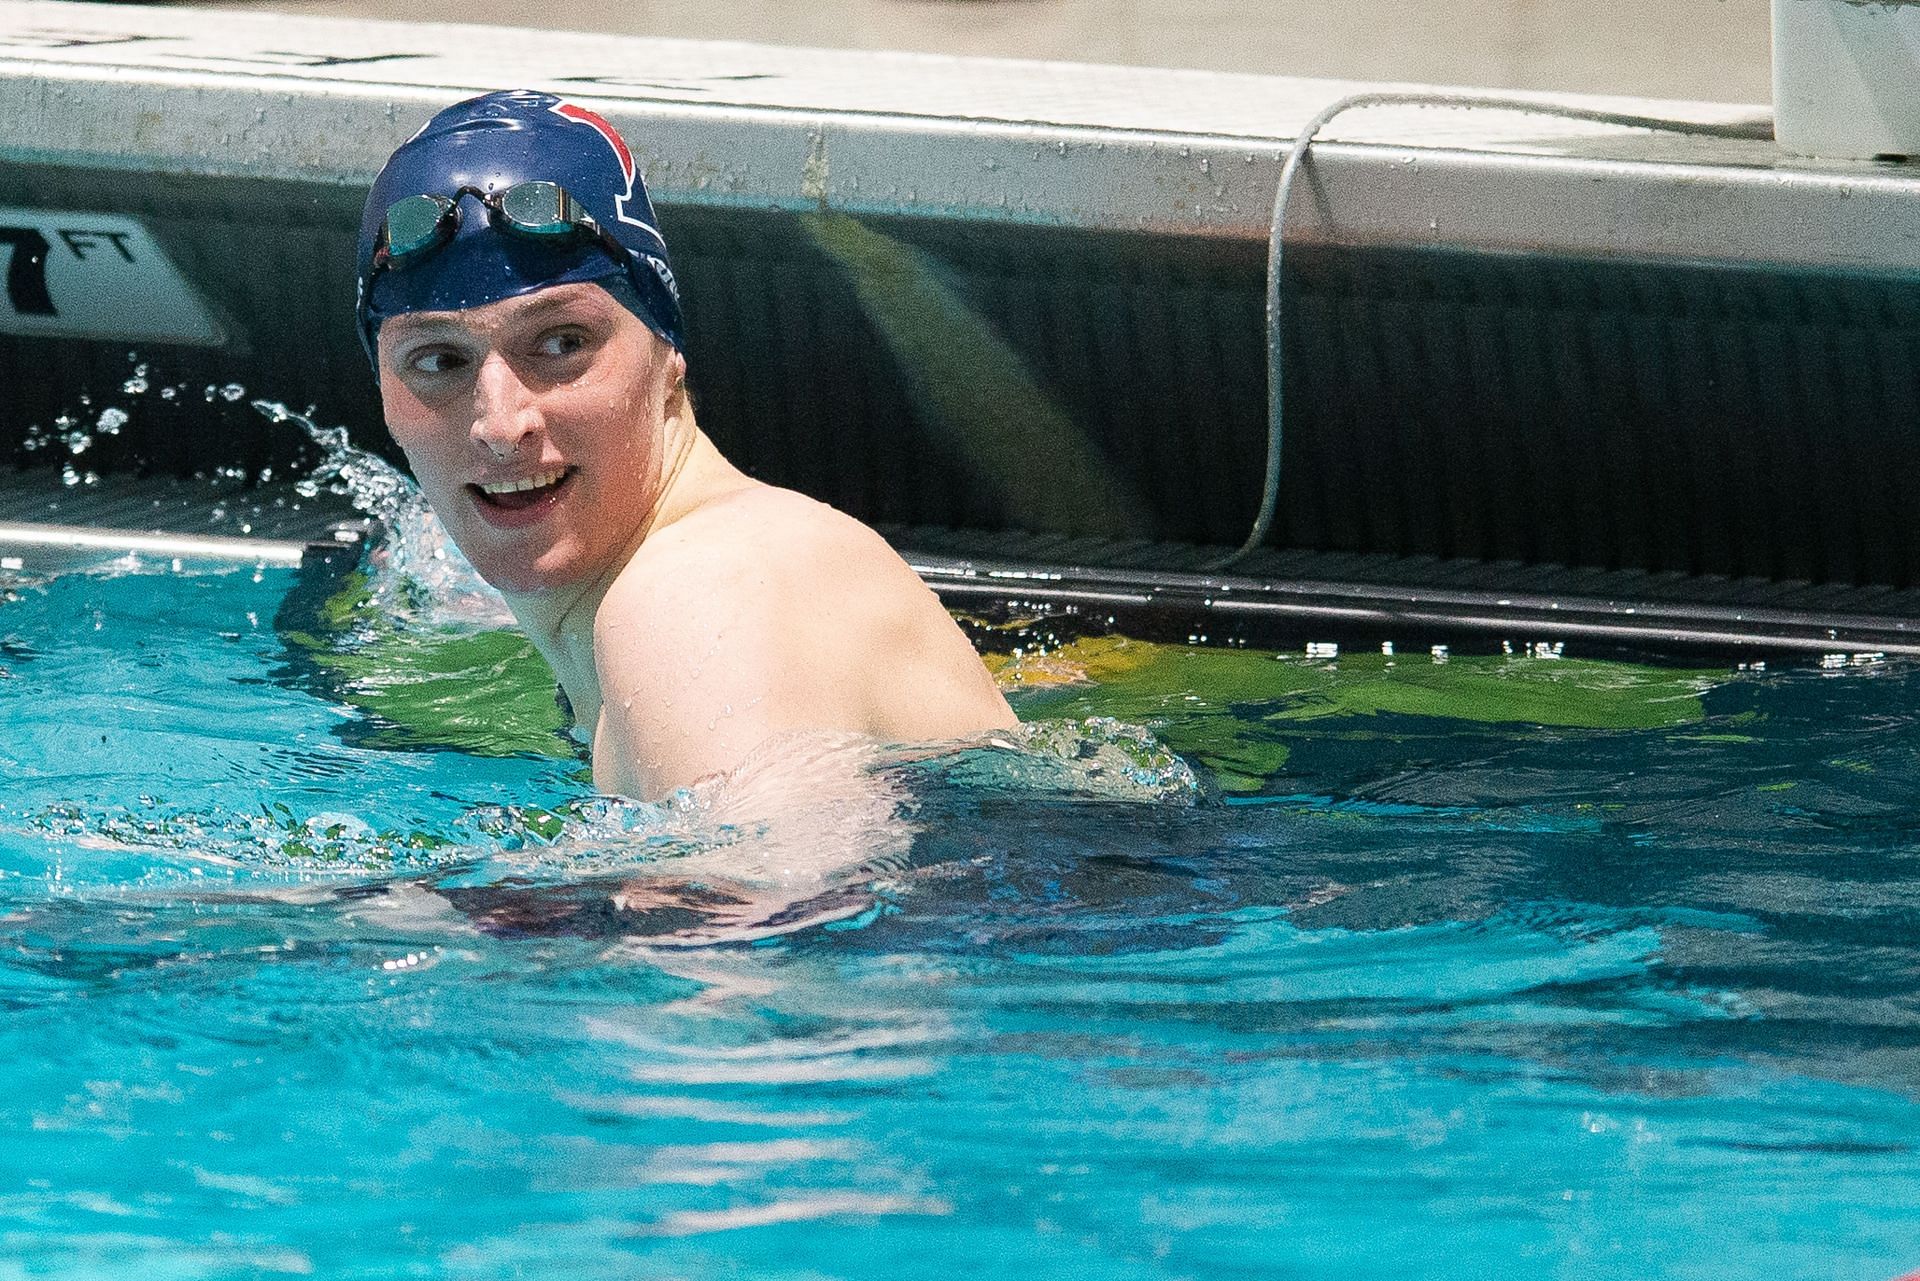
[301, 972]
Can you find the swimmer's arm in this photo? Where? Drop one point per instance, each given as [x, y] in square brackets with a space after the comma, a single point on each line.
[703, 661]
[690, 687]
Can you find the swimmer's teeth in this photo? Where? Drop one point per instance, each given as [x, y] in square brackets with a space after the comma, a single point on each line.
[519, 486]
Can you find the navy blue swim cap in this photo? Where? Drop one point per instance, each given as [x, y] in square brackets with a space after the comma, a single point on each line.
[494, 142]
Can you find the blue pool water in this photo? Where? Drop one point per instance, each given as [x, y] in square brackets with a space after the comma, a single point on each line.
[1526, 967]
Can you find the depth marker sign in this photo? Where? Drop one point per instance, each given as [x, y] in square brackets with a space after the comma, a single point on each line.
[94, 275]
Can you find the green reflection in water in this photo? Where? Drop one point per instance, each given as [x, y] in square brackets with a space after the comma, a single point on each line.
[485, 692]
[1234, 710]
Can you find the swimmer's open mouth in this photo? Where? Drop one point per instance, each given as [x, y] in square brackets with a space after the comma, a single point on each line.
[517, 495]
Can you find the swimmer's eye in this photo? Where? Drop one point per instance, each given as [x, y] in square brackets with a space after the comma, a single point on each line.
[436, 360]
[561, 343]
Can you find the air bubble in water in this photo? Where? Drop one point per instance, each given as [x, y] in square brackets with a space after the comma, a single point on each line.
[168, 393]
[111, 421]
[77, 442]
[68, 476]
[232, 392]
[138, 383]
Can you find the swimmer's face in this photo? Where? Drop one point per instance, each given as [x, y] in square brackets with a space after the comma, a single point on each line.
[536, 426]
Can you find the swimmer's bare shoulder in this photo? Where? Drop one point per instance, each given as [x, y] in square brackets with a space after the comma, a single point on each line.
[763, 612]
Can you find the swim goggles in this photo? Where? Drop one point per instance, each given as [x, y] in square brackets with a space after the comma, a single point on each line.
[416, 227]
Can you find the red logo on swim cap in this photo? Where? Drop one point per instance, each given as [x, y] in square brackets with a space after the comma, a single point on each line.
[606, 131]
[613, 139]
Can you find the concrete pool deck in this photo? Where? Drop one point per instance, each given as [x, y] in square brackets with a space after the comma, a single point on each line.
[1714, 51]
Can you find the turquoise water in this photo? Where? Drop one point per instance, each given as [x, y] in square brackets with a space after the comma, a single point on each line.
[307, 966]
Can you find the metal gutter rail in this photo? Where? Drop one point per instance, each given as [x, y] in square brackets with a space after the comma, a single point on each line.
[67, 538]
[1281, 613]
[49, 527]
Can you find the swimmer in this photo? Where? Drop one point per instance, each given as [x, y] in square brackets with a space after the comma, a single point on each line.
[523, 321]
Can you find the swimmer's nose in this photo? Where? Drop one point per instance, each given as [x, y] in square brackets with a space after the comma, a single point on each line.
[505, 412]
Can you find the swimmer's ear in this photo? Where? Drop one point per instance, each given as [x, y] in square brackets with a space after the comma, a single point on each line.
[677, 379]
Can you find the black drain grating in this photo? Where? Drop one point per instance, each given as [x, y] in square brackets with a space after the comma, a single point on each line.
[164, 504]
[1275, 599]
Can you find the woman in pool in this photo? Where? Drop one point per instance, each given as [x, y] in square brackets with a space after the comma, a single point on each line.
[516, 299]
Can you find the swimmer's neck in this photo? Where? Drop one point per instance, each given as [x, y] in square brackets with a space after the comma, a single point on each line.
[560, 623]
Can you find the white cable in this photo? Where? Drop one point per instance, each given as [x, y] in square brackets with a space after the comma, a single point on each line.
[1296, 156]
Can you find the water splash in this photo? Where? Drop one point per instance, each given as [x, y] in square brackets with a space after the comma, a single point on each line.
[733, 859]
[172, 843]
[1098, 758]
[416, 574]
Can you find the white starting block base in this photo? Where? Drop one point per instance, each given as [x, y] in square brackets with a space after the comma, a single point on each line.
[1846, 77]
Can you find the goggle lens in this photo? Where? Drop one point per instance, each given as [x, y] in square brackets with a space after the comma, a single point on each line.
[540, 209]
[417, 224]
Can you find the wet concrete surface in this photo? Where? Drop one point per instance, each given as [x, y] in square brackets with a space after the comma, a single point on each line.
[1707, 49]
